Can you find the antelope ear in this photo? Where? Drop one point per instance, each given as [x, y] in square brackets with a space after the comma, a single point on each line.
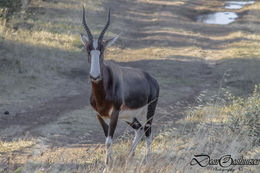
[84, 39]
[111, 41]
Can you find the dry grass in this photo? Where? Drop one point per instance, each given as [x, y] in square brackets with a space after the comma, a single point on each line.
[37, 56]
[42, 39]
[15, 145]
[44, 34]
[230, 109]
[222, 129]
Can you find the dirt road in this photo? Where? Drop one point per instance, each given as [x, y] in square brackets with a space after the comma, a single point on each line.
[161, 37]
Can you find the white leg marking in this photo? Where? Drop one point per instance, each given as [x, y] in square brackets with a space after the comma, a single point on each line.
[109, 150]
[138, 136]
[108, 141]
[148, 147]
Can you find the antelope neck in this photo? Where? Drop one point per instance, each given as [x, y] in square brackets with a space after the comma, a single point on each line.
[98, 90]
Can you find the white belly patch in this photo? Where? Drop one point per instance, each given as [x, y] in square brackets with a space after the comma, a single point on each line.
[129, 114]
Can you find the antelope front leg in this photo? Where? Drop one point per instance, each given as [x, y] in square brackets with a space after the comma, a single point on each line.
[103, 124]
[109, 142]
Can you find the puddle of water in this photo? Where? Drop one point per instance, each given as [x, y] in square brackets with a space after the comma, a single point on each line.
[224, 18]
[234, 5]
[220, 18]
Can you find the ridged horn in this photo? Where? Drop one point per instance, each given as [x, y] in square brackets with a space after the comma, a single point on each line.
[86, 26]
[100, 38]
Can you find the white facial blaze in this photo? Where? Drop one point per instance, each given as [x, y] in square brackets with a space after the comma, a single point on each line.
[95, 44]
[95, 66]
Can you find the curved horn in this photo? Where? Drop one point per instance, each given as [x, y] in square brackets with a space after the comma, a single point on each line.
[100, 38]
[86, 26]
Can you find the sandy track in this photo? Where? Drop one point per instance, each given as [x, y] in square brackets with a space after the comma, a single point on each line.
[59, 117]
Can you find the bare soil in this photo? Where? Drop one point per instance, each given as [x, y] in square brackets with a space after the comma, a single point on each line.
[55, 107]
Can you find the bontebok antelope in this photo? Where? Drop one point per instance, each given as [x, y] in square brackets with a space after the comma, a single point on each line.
[120, 92]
